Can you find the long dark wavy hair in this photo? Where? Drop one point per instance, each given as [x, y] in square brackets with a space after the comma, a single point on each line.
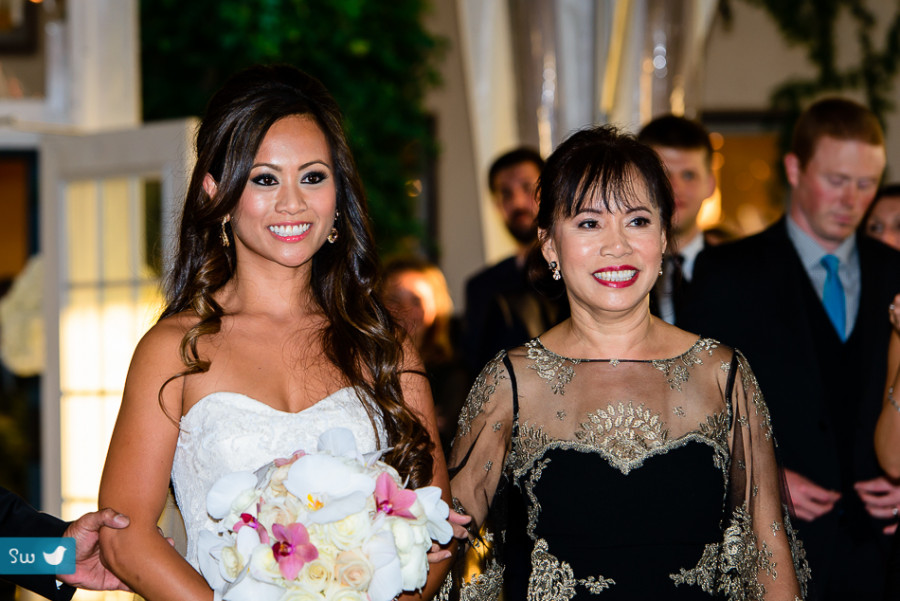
[360, 338]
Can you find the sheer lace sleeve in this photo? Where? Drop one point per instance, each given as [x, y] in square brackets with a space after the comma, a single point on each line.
[477, 460]
[760, 556]
[482, 441]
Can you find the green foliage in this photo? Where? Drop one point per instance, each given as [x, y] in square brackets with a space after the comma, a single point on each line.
[811, 24]
[373, 55]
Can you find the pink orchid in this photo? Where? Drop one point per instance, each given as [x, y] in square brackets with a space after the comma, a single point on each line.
[391, 499]
[251, 522]
[293, 549]
[294, 457]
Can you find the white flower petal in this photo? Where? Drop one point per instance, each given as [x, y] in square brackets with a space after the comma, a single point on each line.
[208, 548]
[369, 459]
[246, 540]
[436, 512]
[414, 570]
[226, 490]
[263, 566]
[248, 588]
[387, 580]
[329, 476]
[381, 549]
[338, 508]
[339, 442]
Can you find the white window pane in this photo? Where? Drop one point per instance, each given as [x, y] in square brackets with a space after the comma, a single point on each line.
[82, 248]
[119, 235]
[79, 340]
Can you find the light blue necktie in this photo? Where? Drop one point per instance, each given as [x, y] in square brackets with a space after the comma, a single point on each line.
[833, 296]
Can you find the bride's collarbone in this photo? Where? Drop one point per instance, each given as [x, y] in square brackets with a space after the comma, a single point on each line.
[288, 396]
[284, 371]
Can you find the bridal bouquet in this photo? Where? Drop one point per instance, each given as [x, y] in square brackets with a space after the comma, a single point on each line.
[331, 525]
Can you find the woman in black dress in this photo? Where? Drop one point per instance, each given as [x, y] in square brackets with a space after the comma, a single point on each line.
[616, 456]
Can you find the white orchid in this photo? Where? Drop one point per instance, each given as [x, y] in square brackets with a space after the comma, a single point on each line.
[247, 588]
[231, 494]
[334, 525]
[331, 487]
[436, 513]
[387, 580]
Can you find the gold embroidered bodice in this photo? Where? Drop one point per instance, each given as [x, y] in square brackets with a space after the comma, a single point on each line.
[617, 477]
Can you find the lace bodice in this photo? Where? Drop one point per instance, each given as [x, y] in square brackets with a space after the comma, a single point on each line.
[635, 479]
[227, 432]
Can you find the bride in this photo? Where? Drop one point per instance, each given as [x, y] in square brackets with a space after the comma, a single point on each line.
[272, 332]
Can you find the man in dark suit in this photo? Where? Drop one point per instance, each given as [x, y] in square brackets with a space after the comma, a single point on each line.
[684, 148]
[502, 307]
[805, 300]
[19, 519]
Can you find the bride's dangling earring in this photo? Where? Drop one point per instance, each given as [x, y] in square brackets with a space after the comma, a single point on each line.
[333, 236]
[224, 234]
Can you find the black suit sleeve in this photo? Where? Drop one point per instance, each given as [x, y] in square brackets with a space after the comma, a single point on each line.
[18, 518]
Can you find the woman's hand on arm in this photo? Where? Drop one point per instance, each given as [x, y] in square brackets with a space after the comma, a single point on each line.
[136, 475]
[459, 522]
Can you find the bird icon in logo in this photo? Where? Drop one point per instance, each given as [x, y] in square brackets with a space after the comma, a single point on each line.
[55, 558]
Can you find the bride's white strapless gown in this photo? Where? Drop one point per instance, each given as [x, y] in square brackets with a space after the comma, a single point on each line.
[227, 432]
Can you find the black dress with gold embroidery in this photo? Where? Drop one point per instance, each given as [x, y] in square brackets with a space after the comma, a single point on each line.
[620, 479]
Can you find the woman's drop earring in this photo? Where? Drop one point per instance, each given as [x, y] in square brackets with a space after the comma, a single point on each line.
[660, 269]
[554, 267]
[225, 241]
[333, 236]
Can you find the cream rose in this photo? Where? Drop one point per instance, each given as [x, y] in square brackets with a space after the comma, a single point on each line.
[317, 574]
[276, 484]
[263, 566]
[353, 570]
[320, 537]
[410, 540]
[338, 593]
[350, 532]
[414, 570]
[274, 513]
[299, 593]
[404, 537]
[245, 502]
[232, 563]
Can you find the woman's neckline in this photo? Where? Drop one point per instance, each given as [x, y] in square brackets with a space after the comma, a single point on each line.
[259, 403]
[616, 360]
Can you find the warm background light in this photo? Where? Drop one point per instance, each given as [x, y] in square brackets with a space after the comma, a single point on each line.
[110, 298]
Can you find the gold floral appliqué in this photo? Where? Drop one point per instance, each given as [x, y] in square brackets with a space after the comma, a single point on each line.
[556, 370]
[481, 392]
[624, 433]
[732, 566]
[677, 370]
[530, 442]
[554, 580]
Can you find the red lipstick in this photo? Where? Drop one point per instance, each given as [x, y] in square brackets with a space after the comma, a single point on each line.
[617, 276]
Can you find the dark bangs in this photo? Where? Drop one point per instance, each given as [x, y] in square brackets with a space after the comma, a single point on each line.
[601, 165]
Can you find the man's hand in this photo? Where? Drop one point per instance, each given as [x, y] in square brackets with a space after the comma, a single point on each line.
[881, 499]
[89, 572]
[810, 500]
[458, 521]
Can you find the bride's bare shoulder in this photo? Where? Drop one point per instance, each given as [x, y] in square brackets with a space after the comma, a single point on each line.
[165, 337]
